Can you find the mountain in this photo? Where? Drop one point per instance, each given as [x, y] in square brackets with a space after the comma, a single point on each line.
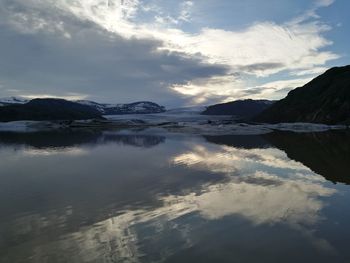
[326, 99]
[12, 100]
[141, 107]
[240, 108]
[47, 109]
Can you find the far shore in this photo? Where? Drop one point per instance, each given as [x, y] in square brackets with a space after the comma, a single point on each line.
[217, 126]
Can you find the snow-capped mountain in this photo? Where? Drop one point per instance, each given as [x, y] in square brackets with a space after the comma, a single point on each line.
[12, 100]
[142, 107]
[95, 105]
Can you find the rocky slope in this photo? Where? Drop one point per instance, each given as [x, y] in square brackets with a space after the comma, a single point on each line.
[47, 109]
[12, 100]
[240, 108]
[326, 99]
[142, 107]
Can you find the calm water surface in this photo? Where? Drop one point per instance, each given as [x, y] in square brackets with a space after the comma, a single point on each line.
[156, 197]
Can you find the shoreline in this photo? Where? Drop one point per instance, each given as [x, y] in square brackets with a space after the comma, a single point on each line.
[215, 127]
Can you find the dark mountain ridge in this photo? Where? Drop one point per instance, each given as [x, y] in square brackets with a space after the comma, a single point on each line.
[13, 109]
[326, 99]
[240, 108]
[47, 109]
[140, 107]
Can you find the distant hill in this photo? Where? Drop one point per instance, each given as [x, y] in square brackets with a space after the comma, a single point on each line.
[12, 100]
[47, 109]
[240, 108]
[326, 99]
[141, 107]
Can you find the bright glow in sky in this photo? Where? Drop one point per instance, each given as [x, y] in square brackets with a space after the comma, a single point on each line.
[171, 52]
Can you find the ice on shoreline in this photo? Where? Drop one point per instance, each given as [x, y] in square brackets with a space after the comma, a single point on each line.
[255, 129]
[204, 126]
[217, 125]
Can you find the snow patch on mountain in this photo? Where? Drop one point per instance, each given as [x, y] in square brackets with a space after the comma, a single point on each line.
[142, 107]
[12, 100]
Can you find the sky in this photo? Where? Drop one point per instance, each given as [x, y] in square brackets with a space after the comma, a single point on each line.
[175, 53]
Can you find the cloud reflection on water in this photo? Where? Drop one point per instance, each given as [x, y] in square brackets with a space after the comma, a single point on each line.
[263, 187]
[253, 189]
[261, 197]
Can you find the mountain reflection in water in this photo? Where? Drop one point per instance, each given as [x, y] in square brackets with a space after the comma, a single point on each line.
[142, 197]
[64, 139]
[326, 153]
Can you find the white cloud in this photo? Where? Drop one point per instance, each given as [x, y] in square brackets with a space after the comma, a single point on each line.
[204, 90]
[294, 45]
[324, 3]
[312, 12]
[185, 13]
[259, 50]
[278, 89]
[313, 71]
[68, 96]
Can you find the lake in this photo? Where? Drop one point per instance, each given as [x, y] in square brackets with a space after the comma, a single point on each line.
[146, 196]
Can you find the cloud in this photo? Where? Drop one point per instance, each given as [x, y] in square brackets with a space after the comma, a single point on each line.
[209, 90]
[277, 89]
[185, 13]
[324, 3]
[290, 47]
[105, 49]
[312, 12]
[313, 71]
[91, 63]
